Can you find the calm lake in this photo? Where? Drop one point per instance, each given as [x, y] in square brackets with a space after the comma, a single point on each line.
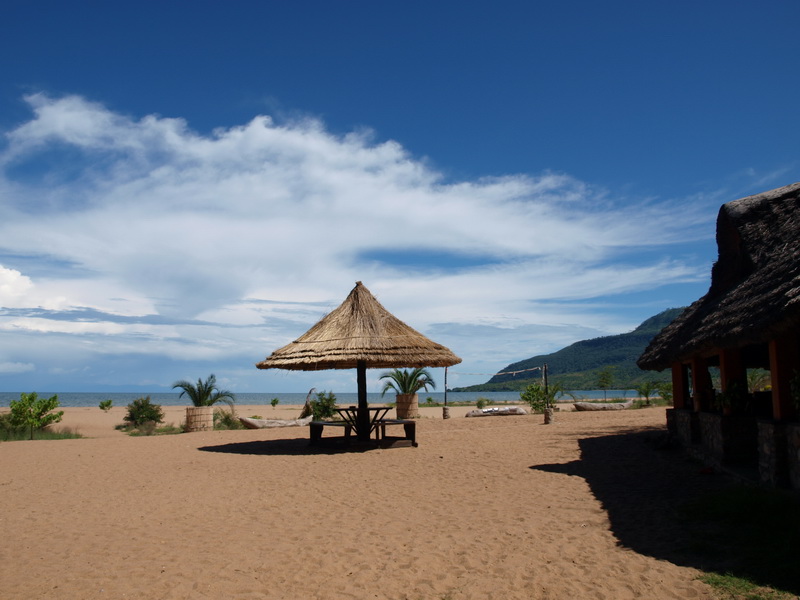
[343, 399]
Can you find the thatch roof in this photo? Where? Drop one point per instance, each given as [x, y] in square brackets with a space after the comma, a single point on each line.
[755, 283]
[360, 329]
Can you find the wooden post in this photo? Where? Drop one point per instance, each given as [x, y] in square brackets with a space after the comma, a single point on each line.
[702, 389]
[732, 372]
[784, 359]
[546, 389]
[445, 408]
[680, 385]
[731, 368]
[362, 416]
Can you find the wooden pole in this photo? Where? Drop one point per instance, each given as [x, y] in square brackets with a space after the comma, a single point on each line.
[445, 408]
[546, 394]
[362, 416]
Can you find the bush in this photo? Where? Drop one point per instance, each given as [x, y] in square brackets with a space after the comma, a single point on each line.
[31, 412]
[13, 433]
[142, 411]
[226, 419]
[538, 399]
[481, 402]
[9, 431]
[665, 391]
[106, 405]
[324, 407]
[274, 402]
[535, 397]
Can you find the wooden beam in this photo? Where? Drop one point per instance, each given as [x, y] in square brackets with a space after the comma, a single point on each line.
[702, 389]
[784, 360]
[680, 385]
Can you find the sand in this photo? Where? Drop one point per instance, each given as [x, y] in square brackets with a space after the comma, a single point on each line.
[493, 507]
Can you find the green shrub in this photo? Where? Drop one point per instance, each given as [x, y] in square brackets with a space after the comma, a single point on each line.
[481, 402]
[8, 433]
[274, 402]
[324, 407]
[665, 391]
[106, 405]
[7, 429]
[535, 397]
[142, 411]
[226, 419]
[538, 399]
[31, 412]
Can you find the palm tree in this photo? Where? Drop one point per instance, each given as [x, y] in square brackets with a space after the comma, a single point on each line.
[204, 393]
[403, 381]
[645, 390]
[406, 384]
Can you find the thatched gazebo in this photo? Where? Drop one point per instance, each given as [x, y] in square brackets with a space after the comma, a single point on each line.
[749, 319]
[360, 334]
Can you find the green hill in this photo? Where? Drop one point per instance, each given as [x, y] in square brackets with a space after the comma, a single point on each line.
[576, 366]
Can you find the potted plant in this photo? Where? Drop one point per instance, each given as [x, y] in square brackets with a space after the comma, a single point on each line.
[406, 384]
[204, 395]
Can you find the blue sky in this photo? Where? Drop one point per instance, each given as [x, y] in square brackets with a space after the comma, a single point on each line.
[187, 186]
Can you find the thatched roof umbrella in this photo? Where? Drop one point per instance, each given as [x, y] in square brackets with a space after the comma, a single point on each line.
[360, 334]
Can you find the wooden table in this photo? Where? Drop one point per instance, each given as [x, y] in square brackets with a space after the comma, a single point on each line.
[377, 425]
[350, 416]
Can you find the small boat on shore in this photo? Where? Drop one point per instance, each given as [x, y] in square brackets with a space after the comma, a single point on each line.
[270, 423]
[603, 405]
[497, 411]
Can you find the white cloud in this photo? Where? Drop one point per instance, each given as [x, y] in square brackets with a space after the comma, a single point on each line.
[240, 240]
[13, 286]
[14, 367]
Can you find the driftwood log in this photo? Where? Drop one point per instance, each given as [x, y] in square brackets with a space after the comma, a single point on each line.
[492, 412]
[270, 423]
[603, 405]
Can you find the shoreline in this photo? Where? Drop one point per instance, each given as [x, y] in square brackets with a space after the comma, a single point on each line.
[93, 422]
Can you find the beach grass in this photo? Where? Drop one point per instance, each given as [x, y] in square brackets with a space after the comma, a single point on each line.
[757, 531]
[149, 428]
[731, 587]
[15, 435]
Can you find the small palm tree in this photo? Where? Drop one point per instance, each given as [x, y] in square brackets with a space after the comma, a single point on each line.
[403, 381]
[406, 384]
[204, 393]
[645, 390]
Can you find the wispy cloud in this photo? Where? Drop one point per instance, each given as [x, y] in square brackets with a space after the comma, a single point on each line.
[130, 236]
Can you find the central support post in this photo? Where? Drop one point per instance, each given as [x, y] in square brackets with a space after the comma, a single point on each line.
[362, 417]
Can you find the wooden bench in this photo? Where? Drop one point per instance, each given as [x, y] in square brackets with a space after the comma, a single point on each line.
[316, 428]
[379, 427]
[409, 428]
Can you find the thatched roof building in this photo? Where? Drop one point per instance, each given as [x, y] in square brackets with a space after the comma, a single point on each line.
[755, 283]
[749, 319]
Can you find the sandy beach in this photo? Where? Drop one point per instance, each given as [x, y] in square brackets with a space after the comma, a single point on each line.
[493, 507]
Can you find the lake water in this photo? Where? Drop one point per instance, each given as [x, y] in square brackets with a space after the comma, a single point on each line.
[344, 399]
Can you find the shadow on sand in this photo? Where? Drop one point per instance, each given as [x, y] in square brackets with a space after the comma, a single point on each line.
[291, 446]
[649, 490]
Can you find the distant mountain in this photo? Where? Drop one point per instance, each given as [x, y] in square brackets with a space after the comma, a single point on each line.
[576, 366]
